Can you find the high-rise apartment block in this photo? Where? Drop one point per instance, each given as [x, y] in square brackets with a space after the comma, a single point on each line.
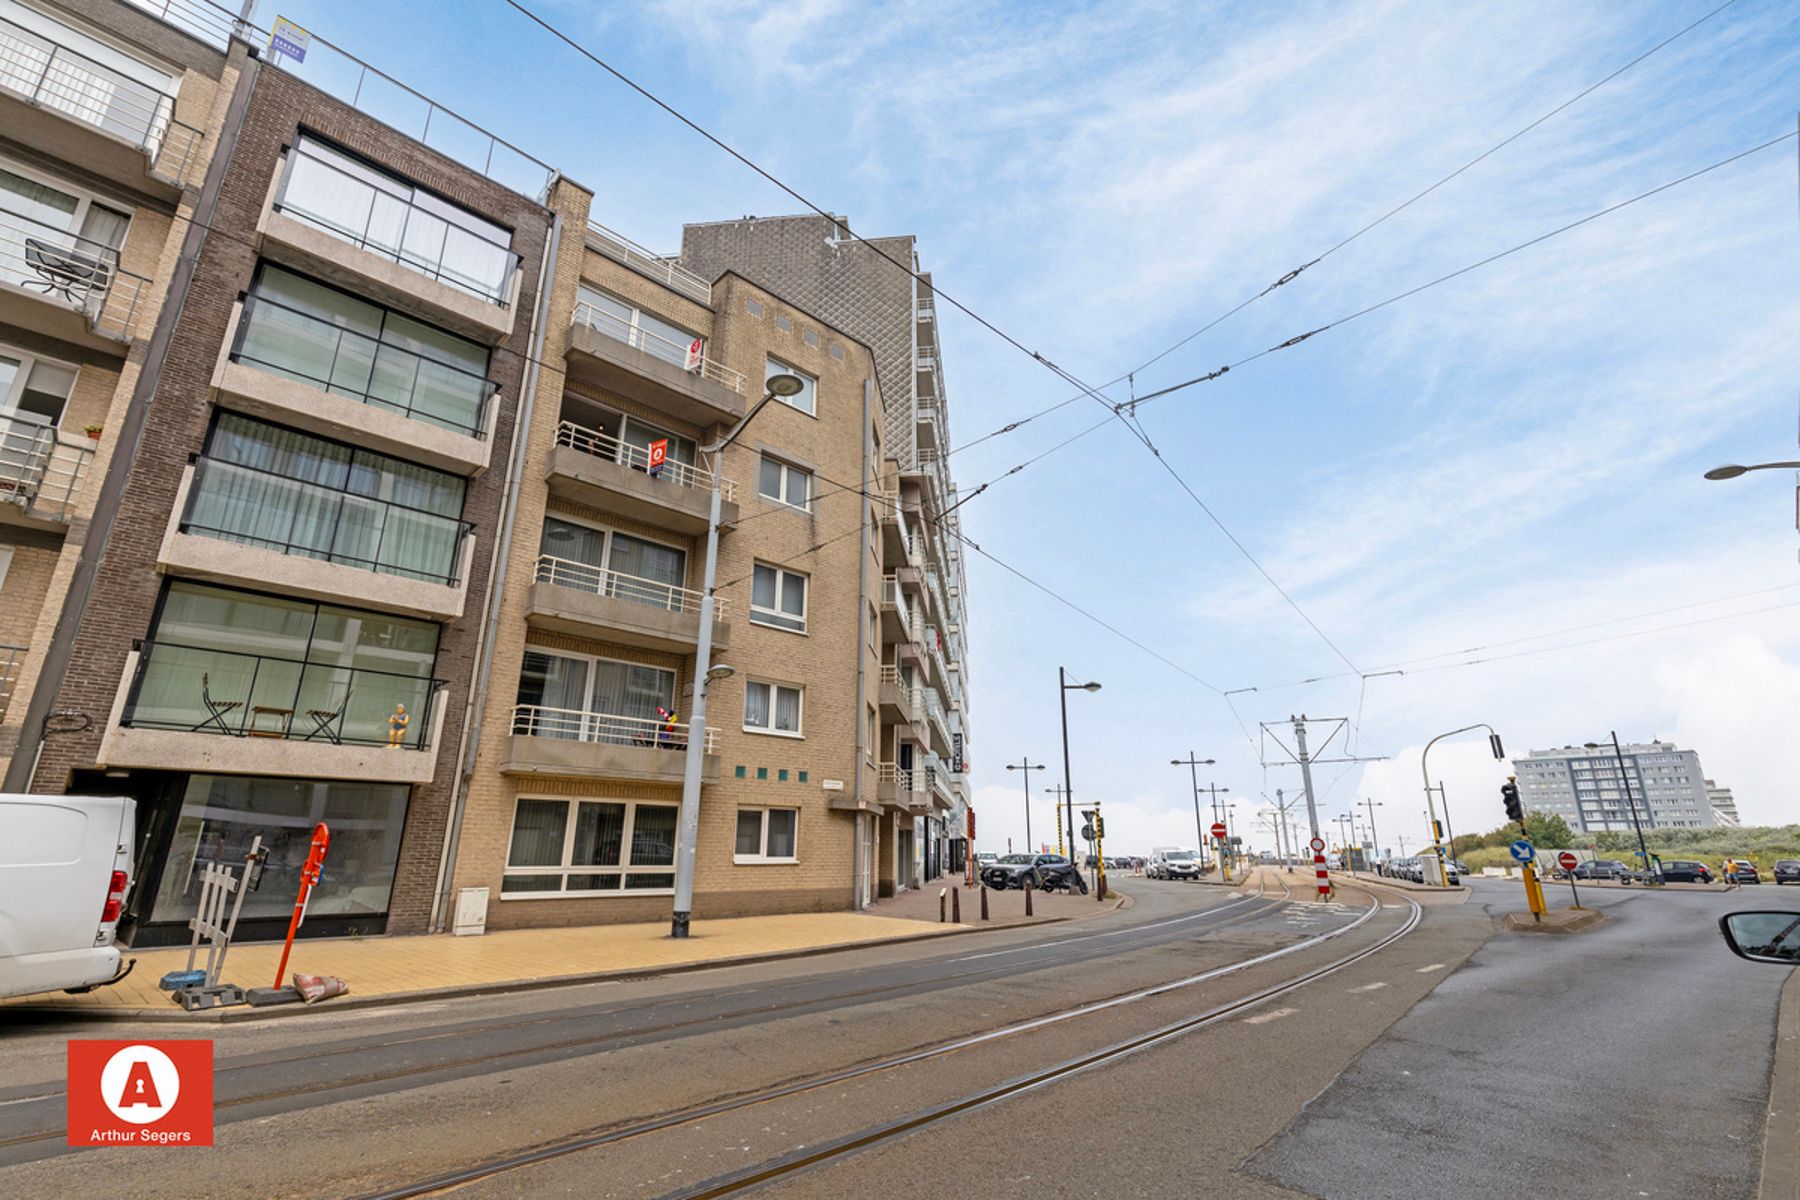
[345, 480]
[1724, 805]
[1661, 785]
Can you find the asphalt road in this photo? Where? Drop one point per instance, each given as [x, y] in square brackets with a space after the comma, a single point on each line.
[1630, 1060]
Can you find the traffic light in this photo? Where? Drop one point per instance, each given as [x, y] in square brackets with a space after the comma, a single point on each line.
[1509, 795]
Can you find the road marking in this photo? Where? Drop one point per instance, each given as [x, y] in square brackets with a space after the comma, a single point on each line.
[1430, 969]
[1265, 1018]
[1370, 987]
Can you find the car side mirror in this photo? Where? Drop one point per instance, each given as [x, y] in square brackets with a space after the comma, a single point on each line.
[1770, 937]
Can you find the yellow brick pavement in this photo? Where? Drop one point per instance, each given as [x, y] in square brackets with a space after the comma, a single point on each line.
[389, 966]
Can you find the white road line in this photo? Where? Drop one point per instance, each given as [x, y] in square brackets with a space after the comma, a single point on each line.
[1371, 987]
[1265, 1018]
[1430, 969]
[1194, 916]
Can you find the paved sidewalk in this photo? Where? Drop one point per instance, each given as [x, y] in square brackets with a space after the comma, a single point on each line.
[443, 964]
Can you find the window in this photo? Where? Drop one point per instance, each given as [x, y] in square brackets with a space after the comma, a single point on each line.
[778, 598]
[807, 399]
[608, 563]
[766, 834]
[83, 78]
[46, 224]
[33, 390]
[297, 494]
[772, 707]
[576, 698]
[786, 483]
[567, 847]
[646, 331]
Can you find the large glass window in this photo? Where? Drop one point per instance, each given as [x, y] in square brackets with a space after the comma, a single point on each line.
[232, 662]
[634, 326]
[56, 240]
[83, 78]
[222, 815]
[564, 846]
[308, 331]
[292, 492]
[609, 563]
[597, 700]
[370, 208]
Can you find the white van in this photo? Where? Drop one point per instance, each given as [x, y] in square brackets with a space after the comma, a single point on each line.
[1174, 862]
[65, 862]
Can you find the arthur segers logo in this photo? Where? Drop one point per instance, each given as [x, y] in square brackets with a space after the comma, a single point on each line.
[141, 1093]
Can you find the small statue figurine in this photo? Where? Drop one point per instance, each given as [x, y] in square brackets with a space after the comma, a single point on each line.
[397, 727]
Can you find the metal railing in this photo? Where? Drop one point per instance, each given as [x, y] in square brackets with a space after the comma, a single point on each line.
[925, 308]
[68, 268]
[393, 235]
[612, 449]
[54, 76]
[430, 390]
[911, 694]
[917, 546]
[40, 471]
[661, 267]
[255, 507]
[905, 779]
[9, 674]
[657, 346]
[604, 581]
[575, 725]
[200, 689]
[198, 19]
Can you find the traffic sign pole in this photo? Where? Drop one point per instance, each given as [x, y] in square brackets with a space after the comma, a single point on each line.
[1319, 868]
[1219, 831]
[1568, 862]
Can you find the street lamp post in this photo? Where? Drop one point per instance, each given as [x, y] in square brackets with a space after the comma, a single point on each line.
[1344, 839]
[1025, 768]
[1193, 765]
[1630, 803]
[1431, 798]
[688, 832]
[1372, 805]
[1732, 470]
[1062, 680]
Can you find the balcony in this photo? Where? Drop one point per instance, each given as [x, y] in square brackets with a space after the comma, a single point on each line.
[902, 788]
[660, 267]
[193, 708]
[302, 370]
[589, 745]
[68, 287]
[900, 702]
[597, 469]
[928, 423]
[574, 597]
[241, 524]
[41, 473]
[80, 111]
[894, 531]
[382, 239]
[899, 622]
[671, 378]
[936, 722]
[10, 659]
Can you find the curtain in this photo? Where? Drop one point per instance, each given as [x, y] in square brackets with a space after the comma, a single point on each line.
[652, 840]
[756, 705]
[646, 560]
[599, 835]
[781, 832]
[339, 202]
[787, 709]
[553, 682]
[749, 831]
[538, 830]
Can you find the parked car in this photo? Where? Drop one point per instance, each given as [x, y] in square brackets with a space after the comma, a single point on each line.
[1744, 871]
[1045, 871]
[63, 879]
[1686, 870]
[1171, 862]
[1787, 870]
[984, 857]
[1603, 868]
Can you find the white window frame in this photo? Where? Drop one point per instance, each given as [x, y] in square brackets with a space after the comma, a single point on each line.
[769, 730]
[572, 804]
[636, 324]
[762, 841]
[778, 619]
[687, 552]
[9, 400]
[84, 199]
[810, 393]
[593, 679]
[788, 470]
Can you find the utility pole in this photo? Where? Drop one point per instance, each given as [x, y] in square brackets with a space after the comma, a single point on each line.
[1194, 763]
[1026, 767]
[1372, 805]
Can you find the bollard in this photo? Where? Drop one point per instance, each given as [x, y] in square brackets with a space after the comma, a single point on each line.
[941, 894]
[984, 915]
[1028, 895]
[956, 906]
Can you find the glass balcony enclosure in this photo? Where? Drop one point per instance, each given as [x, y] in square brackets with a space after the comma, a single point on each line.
[316, 334]
[381, 213]
[239, 663]
[294, 493]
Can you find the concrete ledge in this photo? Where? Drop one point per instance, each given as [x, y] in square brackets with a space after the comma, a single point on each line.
[1780, 1165]
[1561, 920]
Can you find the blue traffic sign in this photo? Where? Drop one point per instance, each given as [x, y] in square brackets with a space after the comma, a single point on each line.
[1523, 851]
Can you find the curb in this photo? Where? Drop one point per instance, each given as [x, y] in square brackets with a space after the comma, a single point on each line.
[1518, 922]
[1780, 1167]
[1396, 885]
[494, 988]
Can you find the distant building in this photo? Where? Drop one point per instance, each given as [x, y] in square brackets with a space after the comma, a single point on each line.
[1583, 787]
[1724, 807]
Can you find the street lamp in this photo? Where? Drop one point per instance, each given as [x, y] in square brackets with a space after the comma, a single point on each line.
[1732, 470]
[688, 833]
[1643, 850]
[1345, 839]
[1431, 799]
[1027, 767]
[1372, 805]
[1062, 679]
[1193, 765]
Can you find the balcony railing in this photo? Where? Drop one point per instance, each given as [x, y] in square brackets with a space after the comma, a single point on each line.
[62, 79]
[603, 581]
[610, 448]
[574, 725]
[41, 471]
[925, 309]
[72, 270]
[262, 508]
[686, 357]
[395, 226]
[903, 778]
[10, 658]
[659, 267]
[197, 689]
[912, 695]
[344, 362]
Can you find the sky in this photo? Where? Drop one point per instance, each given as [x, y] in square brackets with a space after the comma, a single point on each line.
[1509, 461]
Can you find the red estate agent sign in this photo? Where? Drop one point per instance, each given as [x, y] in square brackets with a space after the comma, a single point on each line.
[659, 453]
[1218, 830]
[141, 1093]
[1567, 861]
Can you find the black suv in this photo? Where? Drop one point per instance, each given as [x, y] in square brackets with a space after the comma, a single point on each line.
[1603, 868]
[1787, 870]
[1681, 870]
[1045, 871]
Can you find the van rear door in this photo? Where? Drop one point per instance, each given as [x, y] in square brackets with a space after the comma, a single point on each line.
[65, 862]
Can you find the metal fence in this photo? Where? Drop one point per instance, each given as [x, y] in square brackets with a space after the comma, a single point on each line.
[575, 725]
[627, 454]
[40, 470]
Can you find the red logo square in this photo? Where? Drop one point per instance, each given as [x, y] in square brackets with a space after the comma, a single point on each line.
[154, 1093]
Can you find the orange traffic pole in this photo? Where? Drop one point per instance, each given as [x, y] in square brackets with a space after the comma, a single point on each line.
[309, 878]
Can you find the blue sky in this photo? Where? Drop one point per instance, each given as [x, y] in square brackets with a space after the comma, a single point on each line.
[1513, 454]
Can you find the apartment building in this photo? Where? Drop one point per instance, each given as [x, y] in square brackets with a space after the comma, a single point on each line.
[108, 121]
[1724, 805]
[1584, 786]
[283, 614]
[571, 812]
[876, 291]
